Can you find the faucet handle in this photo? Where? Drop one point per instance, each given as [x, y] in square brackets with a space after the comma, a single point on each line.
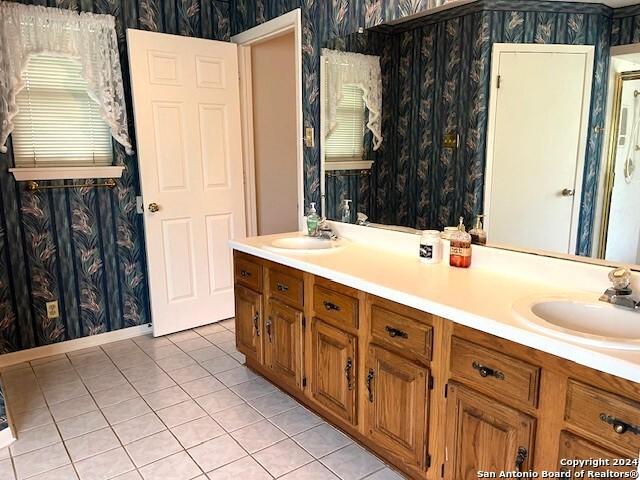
[621, 278]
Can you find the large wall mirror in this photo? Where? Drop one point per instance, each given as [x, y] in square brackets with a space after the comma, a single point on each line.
[525, 113]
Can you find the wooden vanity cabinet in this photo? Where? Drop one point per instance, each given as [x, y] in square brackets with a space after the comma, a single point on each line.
[429, 396]
[573, 447]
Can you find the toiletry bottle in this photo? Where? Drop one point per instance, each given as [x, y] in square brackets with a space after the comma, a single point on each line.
[312, 220]
[478, 235]
[345, 211]
[431, 247]
[460, 254]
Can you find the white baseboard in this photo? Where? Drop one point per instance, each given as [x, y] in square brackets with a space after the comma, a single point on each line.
[6, 438]
[21, 356]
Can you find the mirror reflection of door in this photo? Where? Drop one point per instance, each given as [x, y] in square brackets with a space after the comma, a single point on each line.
[621, 223]
[537, 143]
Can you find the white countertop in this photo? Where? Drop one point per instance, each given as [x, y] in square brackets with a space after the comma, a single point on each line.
[477, 297]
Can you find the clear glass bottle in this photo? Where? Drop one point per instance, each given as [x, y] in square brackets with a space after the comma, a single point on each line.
[431, 247]
[478, 235]
[460, 252]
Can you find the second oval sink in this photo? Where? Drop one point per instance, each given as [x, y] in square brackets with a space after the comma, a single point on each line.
[304, 244]
[583, 320]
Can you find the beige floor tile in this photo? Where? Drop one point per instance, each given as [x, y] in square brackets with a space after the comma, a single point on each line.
[236, 376]
[105, 466]
[6, 470]
[178, 466]
[282, 458]
[258, 436]
[197, 431]
[165, 398]
[138, 427]
[63, 473]
[73, 408]
[41, 461]
[32, 418]
[104, 382]
[216, 453]
[126, 410]
[35, 439]
[246, 468]
[187, 374]
[220, 400]
[115, 395]
[91, 444]
[311, 471]
[181, 413]
[202, 386]
[149, 449]
[352, 463]
[82, 424]
[193, 344]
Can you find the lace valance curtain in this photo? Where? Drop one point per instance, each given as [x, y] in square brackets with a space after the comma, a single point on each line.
[89, 38]
[347, 68]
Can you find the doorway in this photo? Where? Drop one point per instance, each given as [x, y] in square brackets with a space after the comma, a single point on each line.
[270, 58]
[533, 188]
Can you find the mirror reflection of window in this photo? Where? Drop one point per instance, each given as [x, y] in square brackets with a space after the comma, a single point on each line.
[345, 142]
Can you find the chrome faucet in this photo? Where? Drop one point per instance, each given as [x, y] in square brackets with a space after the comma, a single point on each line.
[324, 230]
[621, 293]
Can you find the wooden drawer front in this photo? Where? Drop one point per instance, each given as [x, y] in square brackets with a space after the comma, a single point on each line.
[494, 372]
[401, 333]
[605, 415]
[335, 306]
[248, 273]
[286, 288]
[576, 448]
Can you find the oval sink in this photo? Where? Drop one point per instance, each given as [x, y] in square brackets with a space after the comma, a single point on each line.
[304, 244]
[583, 320]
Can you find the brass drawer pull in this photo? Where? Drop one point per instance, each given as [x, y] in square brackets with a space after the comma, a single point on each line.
[268, 328]
[347, 373]
[485, 371]
[245, 274]
[619, 426]
[282, 287]
[396, 332]
[370, 377]
[331, 306]
[521, 456]
[256, 317]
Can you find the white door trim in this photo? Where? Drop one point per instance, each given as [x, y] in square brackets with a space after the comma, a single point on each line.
[588, 51]
[289, 22]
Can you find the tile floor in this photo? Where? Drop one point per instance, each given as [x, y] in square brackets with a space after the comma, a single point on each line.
[174, 408]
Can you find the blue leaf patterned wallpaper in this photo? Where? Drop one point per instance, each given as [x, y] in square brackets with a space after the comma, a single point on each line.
[85, 247]
[440, 65]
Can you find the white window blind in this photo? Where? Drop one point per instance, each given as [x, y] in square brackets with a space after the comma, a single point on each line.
[58, 124]
[345, 142]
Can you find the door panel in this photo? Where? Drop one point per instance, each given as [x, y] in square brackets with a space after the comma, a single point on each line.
[248, 306]
[573, 447]
[485, 435]
[187, 115]
[397, 405]
[283, 342]
[334, 370]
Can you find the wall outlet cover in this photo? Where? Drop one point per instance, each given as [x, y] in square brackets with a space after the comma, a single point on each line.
[52, 309]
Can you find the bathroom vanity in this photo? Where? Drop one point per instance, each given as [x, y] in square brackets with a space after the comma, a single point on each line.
[429, 394]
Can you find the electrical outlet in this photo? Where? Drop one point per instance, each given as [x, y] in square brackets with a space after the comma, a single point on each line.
[52, 309]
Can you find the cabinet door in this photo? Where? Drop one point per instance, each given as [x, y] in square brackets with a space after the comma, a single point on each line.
[573, 447]
[248, 322]
[283, 342]
[334, 370]
[484, 435]
[397, 405]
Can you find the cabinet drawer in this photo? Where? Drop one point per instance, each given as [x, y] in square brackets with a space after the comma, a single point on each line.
[331, 305]
[401, 333]
[608, 416]
[494, 372]
[248, 273]
[286, 287]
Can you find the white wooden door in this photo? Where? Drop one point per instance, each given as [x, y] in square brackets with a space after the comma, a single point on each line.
[537, 138]
[187, 116]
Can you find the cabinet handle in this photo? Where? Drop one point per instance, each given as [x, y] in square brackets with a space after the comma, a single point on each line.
[521, 456]
[347, 373]
[282, 287]
[370, 376]
[331, 306]
[268, 328]
[256, 317]
[619, 426]
[244, 273]
[485, 371]
[396, 332]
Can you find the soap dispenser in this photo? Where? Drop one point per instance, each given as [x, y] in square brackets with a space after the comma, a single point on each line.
[345, 211]
[478, 235]
[460, 251]
[313, 220]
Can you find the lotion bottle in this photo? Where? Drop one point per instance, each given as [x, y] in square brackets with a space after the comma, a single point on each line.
[460, 252]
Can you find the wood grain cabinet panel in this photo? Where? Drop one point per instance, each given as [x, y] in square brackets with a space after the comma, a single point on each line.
[334, 376]
[287, 288]
[396, 419]
[283, 342]
[607, 416]
[335, 307]
[494, 372]
[248, 323]
[401, 333]
[247, 272]
[573, 447]
[484, 435]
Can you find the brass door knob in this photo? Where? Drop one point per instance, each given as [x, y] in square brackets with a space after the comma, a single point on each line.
[154, 207]
[568, 192]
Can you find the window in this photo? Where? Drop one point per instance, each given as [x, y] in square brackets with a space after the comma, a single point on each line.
[345, 142]
[58, 124]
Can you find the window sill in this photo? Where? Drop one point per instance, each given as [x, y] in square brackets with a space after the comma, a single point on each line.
[23, 174]
[355, 165]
